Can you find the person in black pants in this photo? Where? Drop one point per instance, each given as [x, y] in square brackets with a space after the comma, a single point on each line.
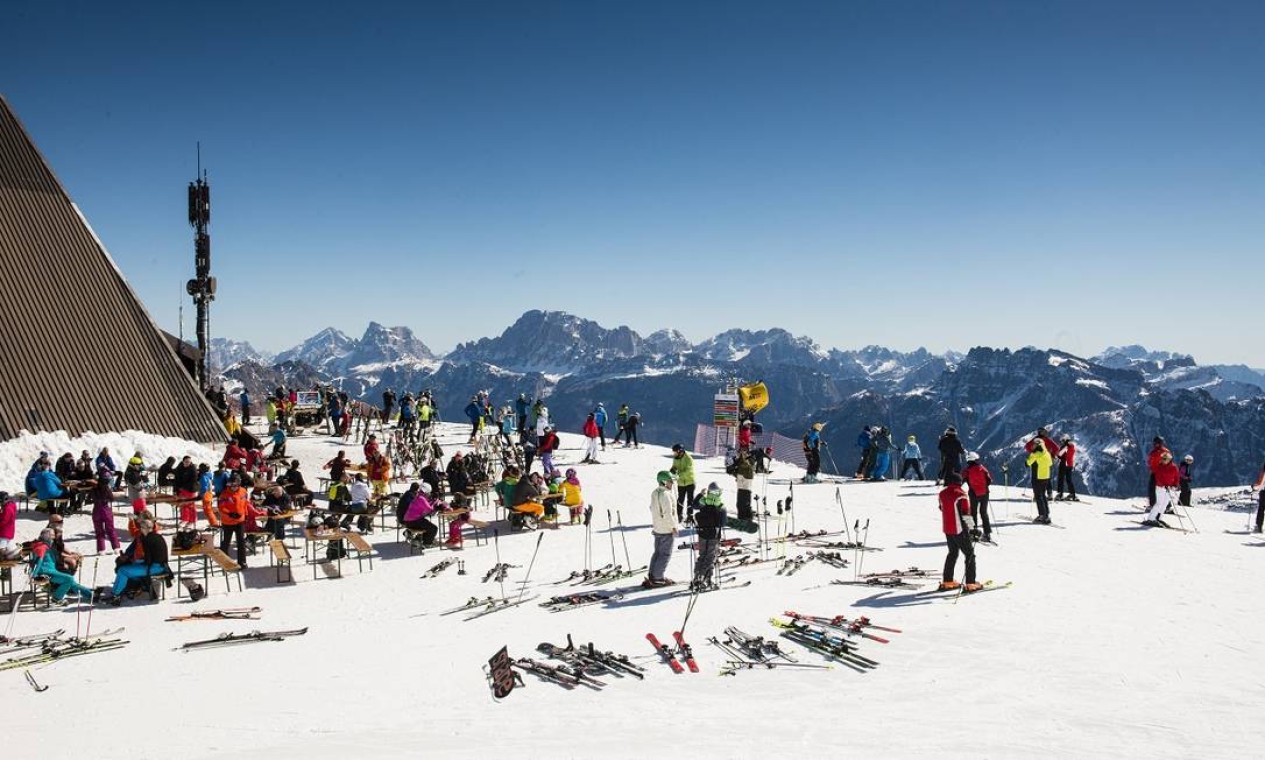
[951, 452]
[630, 430]
[959, 525]
[1260, 508]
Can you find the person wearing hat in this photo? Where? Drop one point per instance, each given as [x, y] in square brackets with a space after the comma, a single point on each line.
[958, 524]
[621, 422]
[882, 447]
[590, 439]
[458, 478]
[233, 506]
[1184, 480]
[744, 477]
[546, 446]
[951, 453]
[600, 417]
[134, 475]
[682, 471]
[709, 516]
[417, 516]
[1040, 461]
[745, 435]
[105, 460]
[978, 479]
[45, 563]
[66, 560]
[812, 451]
[1067, 459]
[103, 515]
[1158, 450]
[864, 442]
[663, 527]
[1167, 478]
[911, 458]
[630, 430]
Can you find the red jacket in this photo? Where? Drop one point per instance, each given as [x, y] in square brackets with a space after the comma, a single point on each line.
[1153, 459]
[1067, 454]
[1166, 475]
[978, 478]
[233, 456]
[548, 443]
[590, 428]
[953, 506]
[744, 437]
[1051, 447]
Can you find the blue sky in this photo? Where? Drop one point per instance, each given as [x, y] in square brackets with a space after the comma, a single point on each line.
[941, 174]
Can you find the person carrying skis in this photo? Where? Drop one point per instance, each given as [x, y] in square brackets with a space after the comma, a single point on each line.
[682, 470]
[1040, 461]
[812, 451]
[978, 480]
[912, 456]
[951, 452]
[955, 515]
[1184, 480]
[708, 514]
[1158, 450]
[663, 526]
[1067, 458]
[1166, 479]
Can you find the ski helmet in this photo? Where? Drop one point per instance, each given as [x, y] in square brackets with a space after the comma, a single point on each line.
[1188, 459]
[712, 487]
[972, 456]
[664, 476]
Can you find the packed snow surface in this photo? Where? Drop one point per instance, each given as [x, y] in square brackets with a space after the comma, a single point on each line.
[1114, 641]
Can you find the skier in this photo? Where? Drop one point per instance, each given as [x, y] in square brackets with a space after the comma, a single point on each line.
[103, 515]
[912, 456]
[744, 436]
[1260, 507]
[864, 439]
[1166, 479]
[590, 440]
[475, 414]
[683, 470]
[951, 451]
[621, 419]
[520, 408]
[244, 400]
[573, 496]
[1051, 448]
[1158, 449]
[710, 522]
[663, 525]
[882, 446]
[1184, 480]
[978, 480]
[599, 416]
[630, 430]
[548, 445]
[233, 506]
[954, 506]
[388, 405]
[744, 474]
[1067, 458]
[1040, 461]
[812, 451]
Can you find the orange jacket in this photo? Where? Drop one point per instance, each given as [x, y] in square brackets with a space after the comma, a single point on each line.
[234, 504]
[379, 469]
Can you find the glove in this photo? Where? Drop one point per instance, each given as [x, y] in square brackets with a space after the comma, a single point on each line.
[975, 534]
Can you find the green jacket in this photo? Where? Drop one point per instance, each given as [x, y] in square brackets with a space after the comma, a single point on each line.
[683, 469]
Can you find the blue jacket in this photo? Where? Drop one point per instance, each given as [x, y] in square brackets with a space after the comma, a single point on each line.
[912, 451]
[863, 439]
[473, 411]
[204, 484]
[599, 416]
[245, 399]
[105, 461]
[219, 481]
[48, 485]
[520, 406]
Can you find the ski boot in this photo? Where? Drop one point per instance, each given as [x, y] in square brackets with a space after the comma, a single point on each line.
[949, 586]
[971, 588]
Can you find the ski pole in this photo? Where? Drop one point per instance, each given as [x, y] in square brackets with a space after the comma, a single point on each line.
[861, 552]
[623, 537]
[496, 542]
[93, 603]
[856, 549]
[1005, 473]
[539, 537]
[610, 531]
[844, 512]
[588, 551]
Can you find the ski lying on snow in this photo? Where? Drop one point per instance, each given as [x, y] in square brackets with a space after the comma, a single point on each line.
[496, 605]
[236, 613]
[666, 653]
[230, 639]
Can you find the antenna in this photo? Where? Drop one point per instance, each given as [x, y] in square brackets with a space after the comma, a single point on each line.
[202, 286]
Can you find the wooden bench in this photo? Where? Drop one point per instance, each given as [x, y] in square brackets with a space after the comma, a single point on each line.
[281, 556]
[226, 565]
[362, 548]
[255, 538]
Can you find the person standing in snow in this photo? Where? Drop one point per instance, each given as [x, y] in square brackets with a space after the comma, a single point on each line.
[978, 480]
[812, 451]
[630, 430]
[244, 400]
[621, 419]
[1260, 494]
[708, 514]
[683, 470]
[520, 408]
[951, 452]
[955, 515]
[864, 440]
[599, 416]
[1051, 448]
[882, 448]
[474, 412]
[1158, 450]
[912, 456]
[590, 439]
[663, 526]
[1185, 479]
[744, 474]
[1040, 461]
[548, 445]
[1067, 458]
[1167, 478]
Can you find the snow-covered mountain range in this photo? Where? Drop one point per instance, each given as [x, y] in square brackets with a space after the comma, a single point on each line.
[1112, 404]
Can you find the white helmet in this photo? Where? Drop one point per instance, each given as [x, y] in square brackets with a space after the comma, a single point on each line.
[972, 456]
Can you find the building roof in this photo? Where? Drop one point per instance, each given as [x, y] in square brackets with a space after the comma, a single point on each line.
[78, 351]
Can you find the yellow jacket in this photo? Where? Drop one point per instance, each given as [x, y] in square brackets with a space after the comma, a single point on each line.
[571, 496]
[1043, 461]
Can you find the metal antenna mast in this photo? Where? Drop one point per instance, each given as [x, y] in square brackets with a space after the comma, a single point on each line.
[202, 286]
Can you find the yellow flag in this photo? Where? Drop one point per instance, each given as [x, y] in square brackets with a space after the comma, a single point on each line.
[755, 396]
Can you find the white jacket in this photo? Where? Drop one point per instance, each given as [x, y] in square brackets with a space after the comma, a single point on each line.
[662, 512]
[359, 492]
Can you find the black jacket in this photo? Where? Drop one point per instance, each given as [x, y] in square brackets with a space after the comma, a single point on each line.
[155, 548]
[951, 447]
[185, 478]
[710, 521]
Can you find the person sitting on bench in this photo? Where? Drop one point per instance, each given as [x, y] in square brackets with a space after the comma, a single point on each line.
[276, 501]
[359, 505]
[153, 562]
[44, 563]
[458, 480]
[415, 517]
[294, 484]
[526, 499]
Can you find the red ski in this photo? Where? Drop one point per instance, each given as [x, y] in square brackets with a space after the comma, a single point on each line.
[666, 652]
[686, 651]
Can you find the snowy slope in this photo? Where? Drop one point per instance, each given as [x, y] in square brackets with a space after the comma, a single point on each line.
[1114, 641]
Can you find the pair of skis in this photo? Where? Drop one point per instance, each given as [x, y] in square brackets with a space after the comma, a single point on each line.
[231, 613]
[232, 639]
[669, 655]
[56, 649]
